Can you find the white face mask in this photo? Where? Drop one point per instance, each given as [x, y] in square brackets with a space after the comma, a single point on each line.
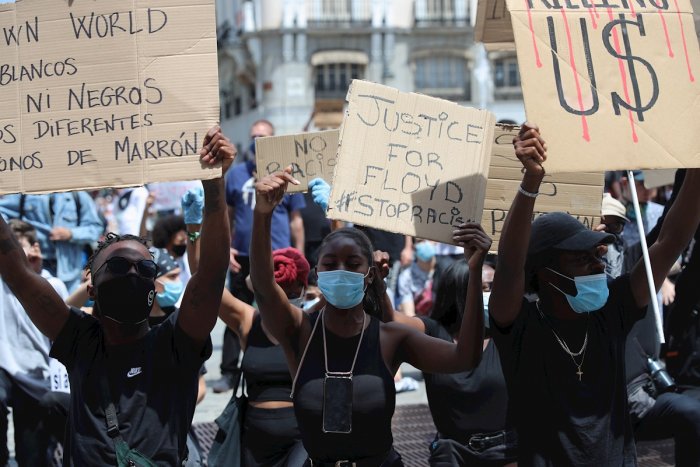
[487, 296]
[309, 303]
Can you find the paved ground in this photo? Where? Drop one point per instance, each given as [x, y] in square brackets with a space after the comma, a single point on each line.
[412, 425]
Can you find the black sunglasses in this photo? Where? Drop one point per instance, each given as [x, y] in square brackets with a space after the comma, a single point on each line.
[121, 266]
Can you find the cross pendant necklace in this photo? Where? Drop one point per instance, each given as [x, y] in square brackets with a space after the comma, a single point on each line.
[562, 344]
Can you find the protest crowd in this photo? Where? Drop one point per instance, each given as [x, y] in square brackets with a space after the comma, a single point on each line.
[150, 285]
[550, 341]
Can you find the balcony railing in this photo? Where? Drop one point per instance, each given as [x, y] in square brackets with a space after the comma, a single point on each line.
[338, 13]
[442, 13]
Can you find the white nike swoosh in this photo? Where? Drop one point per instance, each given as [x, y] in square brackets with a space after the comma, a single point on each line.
[133, 373]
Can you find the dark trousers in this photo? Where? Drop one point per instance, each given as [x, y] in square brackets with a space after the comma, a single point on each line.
[31, 439]
[231, 349]
[677, 416]
[56, 405]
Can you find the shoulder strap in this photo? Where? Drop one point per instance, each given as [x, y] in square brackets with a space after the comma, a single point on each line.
[22, 200]
[110, 411]
[306, 348]
[78, 206]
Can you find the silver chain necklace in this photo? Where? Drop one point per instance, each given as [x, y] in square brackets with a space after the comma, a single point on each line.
[325, 349]
[573, 355]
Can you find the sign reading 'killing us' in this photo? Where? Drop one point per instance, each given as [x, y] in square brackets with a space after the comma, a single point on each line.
[105, 93]
[613, 84]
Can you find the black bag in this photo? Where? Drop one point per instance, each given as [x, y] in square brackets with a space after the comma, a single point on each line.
[226, 450]
[683, 351]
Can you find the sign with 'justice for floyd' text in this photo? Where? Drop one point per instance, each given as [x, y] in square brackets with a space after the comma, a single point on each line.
[612, 84]
[409, 163]
[97, 93]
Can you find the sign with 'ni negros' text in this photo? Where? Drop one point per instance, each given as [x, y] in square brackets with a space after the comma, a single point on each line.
[311, 155]
[97, 93]
[579, 194]
[613, 84]
[409, 163]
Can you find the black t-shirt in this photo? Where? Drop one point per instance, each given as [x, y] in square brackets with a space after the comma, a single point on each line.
[561, 420]
[153, 383]
[470, 402]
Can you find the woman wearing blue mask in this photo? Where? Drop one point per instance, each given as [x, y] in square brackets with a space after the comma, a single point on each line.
[563, 349]
[343, 357]
[169, 287]
[270, 434]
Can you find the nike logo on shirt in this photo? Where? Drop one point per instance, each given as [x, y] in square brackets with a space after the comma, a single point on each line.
[134, 372]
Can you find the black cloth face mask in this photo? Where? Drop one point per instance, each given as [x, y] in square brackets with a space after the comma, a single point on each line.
[179, 250]
[126, 299]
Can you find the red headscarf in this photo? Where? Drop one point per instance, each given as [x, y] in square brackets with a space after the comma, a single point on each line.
[290, 267]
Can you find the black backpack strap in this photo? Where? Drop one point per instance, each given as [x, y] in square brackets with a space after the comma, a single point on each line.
[22, 200]
[78, 206]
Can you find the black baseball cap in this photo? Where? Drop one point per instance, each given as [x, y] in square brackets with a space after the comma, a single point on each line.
[561, 231]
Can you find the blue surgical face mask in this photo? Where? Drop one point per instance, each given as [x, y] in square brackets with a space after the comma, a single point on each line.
[592, 292]
[487, 296]
[425, 251]
[298, 301]
[342, 289]
[171, 293]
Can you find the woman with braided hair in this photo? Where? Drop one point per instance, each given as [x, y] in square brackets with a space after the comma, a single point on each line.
[270, 435]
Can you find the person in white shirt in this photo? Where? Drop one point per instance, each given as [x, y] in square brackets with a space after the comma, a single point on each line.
[24, 363]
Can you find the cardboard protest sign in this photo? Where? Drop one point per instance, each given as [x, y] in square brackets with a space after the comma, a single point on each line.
[493, 26]
[105, 93]
[311, 155]
[579, 194]
[409, 163]
[657, 178]
[612, 84]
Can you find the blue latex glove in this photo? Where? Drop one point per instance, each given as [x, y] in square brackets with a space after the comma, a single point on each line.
[192, 205]
[320, 192]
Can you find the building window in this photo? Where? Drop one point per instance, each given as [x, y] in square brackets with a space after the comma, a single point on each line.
[333, 79]
[506, 78]
[444, 76]
[330, 13]
[442, 12]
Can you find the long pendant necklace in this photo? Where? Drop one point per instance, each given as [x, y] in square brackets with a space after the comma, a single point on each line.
[581, 353]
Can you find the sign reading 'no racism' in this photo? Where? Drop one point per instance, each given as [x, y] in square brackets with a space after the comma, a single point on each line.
[409, 163]
[613, 84]
[105, 93]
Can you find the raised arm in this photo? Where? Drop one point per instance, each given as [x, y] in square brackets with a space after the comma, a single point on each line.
[237, 314]
[40, 301]
[509, 280]
[389, 314]
[281, 318]
[678, 228]
[434, 355]
[200, 304]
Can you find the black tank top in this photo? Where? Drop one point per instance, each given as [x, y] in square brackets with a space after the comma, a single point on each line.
[265, 367]
[374, 396]
[470, 402]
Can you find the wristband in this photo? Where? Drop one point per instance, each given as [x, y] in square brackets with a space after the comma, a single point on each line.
[529, 194]
[193, 236]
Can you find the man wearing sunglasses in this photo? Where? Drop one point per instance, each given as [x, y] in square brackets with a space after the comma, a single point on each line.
[150, 375]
